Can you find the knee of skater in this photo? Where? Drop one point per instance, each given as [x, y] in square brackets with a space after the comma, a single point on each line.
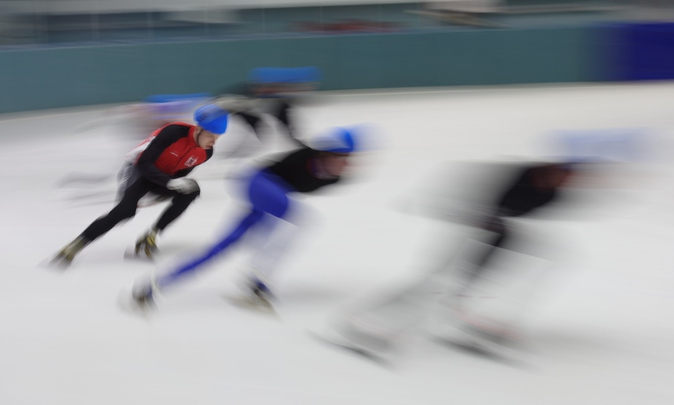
[194, 194]
[127, 215]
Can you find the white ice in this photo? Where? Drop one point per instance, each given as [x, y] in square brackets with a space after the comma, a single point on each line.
[602, 334]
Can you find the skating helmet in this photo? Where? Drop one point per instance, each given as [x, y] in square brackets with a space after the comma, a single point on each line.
[212, 118]
[339, 140]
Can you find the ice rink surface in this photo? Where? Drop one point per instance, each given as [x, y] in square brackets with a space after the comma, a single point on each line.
[602, 333]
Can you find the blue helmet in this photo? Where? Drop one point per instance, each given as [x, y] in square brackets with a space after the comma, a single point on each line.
[212, 118]
[339, 140]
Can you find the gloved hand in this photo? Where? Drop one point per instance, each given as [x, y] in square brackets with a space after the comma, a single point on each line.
[183, 185]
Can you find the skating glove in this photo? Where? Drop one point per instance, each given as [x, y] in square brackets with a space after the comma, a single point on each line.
[183, 185]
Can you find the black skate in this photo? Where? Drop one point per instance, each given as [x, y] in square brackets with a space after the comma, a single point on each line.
[141, 300]
[379, 346]
[144, 300]
[62, 260]
[146, 247]
[262, 293]
[65, 256]
[259, 298]
[497, 342]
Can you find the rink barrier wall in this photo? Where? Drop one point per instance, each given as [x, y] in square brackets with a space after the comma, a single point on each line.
[36, 79]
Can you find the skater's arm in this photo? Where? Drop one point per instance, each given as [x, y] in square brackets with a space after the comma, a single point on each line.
[524, 196]
[298, 170]
[146, 162]
[283, 116]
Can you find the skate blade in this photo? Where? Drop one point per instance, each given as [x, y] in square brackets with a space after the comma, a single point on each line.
[130, 254]
[473, 343]
[337, 341]
[253, 304]
[54, 263]
[128, 305]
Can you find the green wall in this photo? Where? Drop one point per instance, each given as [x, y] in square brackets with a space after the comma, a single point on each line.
[63, 77]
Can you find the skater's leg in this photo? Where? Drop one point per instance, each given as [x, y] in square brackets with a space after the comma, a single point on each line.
[179, 204]
[397, 315]
[266, 196]
[125, 209]
[273, 239]
[475, 267]
[246, 223]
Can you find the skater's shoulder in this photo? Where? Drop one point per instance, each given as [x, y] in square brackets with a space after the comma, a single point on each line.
[175, 130]
[297, 153]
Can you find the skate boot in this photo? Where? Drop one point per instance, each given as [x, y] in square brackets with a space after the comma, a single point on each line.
[146, 246]
[142, 295]
[256, 297]
[65, 256]
[261, 294]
